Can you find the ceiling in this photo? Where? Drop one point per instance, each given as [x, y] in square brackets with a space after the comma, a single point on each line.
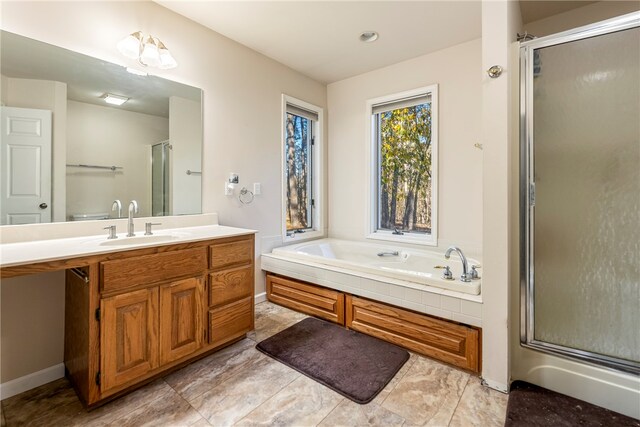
[321, 38]
[88, 78]
[533, 10]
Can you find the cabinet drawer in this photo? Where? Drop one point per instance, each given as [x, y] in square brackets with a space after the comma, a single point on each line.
[223, 255]
[230, 321]
[442, 340]
[148, 269]
[310, 299]
[230, 285]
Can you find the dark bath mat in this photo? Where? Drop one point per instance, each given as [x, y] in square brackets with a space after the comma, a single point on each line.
[353, 364]
[530, 405]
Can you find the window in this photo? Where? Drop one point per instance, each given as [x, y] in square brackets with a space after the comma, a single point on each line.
[404, 142]
[301, 169]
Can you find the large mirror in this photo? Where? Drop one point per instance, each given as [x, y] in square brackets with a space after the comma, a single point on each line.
[68, 153]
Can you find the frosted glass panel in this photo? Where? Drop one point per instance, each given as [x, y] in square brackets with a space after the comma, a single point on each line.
[587, 211]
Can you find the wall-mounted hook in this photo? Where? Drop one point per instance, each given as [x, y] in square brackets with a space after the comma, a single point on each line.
[495, 71]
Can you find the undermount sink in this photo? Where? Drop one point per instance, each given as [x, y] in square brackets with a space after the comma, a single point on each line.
[139, 240]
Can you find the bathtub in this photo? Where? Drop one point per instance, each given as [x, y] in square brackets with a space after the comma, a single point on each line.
[411, 265]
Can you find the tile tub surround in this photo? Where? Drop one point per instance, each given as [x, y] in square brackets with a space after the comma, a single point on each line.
[241, 386]
[451, 305]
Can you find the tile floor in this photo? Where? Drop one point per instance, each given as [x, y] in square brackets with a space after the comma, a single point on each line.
[240, 386]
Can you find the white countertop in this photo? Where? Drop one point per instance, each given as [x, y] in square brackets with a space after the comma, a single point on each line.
[22, 253]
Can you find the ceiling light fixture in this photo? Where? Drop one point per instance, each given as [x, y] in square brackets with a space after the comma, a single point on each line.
[148, 50]
[110, 98]
[368, 36]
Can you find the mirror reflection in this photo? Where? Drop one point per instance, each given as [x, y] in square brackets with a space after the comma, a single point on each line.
[79, 133]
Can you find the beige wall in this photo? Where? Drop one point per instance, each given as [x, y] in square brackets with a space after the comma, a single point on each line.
[456, 70]
[500, 22]
[31, 324]
[185, 134]
[582, 16]
[240, 86]
[106, 136]
[45, 95]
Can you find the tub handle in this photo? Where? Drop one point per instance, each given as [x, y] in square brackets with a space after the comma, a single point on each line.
[389, 253]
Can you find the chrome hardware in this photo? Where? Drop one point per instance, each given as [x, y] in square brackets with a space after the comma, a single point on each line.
[397, 232]
[112, 231]
[81, 274]
[465, 277]
[117, 205]
[446, 274]
[389, 253]
[495, 71]
[133, 209]
[473, 274]
[43, 206]
[147, 227]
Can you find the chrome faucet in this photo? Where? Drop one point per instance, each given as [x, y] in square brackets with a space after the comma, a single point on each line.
[466, 277]
[133, 208]
[117, 205]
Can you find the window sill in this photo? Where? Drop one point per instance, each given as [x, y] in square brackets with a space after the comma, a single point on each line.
[405, 238]
[301, 237]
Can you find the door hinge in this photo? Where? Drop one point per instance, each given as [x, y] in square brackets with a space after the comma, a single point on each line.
[532, 194]
[98, 378]
[98, 314]
[313, 202]
[313, 140]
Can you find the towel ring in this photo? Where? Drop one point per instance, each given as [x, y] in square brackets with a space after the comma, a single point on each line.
[245, 196]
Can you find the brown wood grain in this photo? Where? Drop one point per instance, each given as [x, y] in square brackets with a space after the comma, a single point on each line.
[181, 318]
[129, 333]
[231, 253]
[153, 268]
[446, 341]
[309, 299]
[230, 321]
[230, 285]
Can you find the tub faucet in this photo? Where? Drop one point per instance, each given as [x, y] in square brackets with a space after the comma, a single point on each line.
[133, 208]
[117, 205]
[466, 277]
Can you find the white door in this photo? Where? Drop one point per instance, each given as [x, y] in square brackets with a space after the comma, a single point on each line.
[25, 166]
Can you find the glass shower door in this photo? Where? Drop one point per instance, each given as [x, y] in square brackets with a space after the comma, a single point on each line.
[160, 179]
[581, 197]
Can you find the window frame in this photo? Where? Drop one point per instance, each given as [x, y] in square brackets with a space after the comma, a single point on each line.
[372, 231]
[317, 229]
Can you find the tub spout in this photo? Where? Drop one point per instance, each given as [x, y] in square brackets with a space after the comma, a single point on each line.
[465, 277]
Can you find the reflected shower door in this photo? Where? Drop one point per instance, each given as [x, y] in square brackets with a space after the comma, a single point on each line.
[160, 179]
[584, 235]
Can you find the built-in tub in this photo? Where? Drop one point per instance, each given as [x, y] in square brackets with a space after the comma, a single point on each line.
[412, 265]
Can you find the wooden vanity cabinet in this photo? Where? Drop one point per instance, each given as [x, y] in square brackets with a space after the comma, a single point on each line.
[155, 309]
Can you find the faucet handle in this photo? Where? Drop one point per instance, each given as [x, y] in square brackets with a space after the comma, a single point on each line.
[473, 274]
[446, 274]
[147, 227]
[112, 231]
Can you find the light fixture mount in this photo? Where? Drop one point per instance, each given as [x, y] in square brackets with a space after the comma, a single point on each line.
[368, 36]
[112, 99]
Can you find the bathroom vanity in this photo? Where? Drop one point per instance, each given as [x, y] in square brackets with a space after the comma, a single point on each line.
[136, 311]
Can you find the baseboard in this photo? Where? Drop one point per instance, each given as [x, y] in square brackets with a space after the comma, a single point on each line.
[260, 297]
[33, 380]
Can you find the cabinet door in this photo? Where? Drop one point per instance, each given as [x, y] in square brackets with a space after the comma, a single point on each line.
[181, 318]
[129, 336]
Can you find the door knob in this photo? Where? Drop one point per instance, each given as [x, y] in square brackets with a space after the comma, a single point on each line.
[43, 206]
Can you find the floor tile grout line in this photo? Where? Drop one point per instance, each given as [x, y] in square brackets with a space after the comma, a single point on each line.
[271, 397]
[331, 411]
[453, 414]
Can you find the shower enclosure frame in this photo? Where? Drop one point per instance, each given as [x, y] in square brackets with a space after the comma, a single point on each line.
[527, 191]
